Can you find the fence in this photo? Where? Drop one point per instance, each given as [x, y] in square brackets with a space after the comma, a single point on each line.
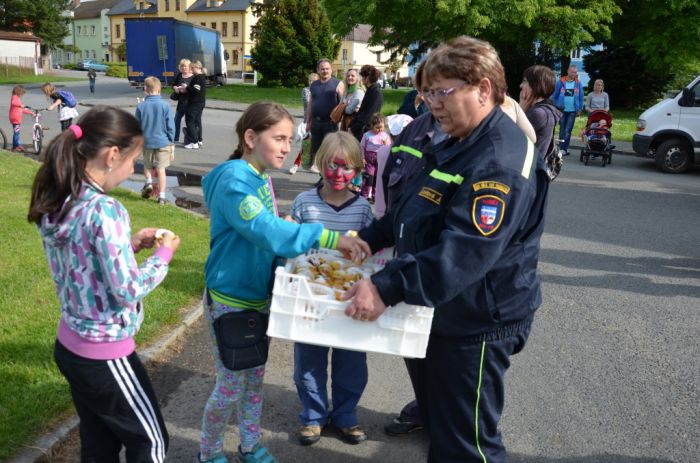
[17, 66]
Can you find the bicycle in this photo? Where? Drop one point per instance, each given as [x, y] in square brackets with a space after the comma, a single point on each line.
[37, 130]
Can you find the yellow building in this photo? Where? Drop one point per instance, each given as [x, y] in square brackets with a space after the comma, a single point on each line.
[355, 52]
[232, 18]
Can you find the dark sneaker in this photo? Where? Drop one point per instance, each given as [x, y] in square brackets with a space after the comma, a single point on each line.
[309, 435]
[162, 201]
[353, 435]
[401, 428]
[147, 190]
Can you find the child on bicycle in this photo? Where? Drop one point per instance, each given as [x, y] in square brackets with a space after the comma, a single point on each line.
[16, 111]
[90, 248]
[246, 237]
[332, 204]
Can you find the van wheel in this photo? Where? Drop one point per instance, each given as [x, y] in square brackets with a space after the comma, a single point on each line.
[220, 80]
[673, 156]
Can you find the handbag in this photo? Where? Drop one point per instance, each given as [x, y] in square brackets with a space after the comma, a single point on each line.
[346, 121]
[338, 111]
[242, 339]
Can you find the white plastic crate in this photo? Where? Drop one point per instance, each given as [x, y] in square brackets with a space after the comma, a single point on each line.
[307, 312]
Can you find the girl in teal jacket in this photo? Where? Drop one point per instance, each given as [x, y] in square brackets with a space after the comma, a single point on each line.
[247, 236]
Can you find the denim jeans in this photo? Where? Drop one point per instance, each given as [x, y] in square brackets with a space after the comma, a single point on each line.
[566, 125]
[15, 135]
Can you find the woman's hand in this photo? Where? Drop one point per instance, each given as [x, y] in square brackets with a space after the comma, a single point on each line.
[366, 304]
[143, 239]
[353, 248]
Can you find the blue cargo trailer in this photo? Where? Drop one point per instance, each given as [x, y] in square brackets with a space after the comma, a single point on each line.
[155, 46]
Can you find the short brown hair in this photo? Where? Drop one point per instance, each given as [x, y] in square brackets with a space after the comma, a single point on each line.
[418, 76]
[541, 80]
[470, 60]
[18, 90]
[48, 89]
[370, 72]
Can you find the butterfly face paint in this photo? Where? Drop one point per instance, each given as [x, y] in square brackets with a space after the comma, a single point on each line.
[337, 174]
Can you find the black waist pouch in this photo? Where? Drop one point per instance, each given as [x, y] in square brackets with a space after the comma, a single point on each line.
[241, 338]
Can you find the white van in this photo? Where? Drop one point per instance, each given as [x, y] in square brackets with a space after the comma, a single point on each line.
[669, 131]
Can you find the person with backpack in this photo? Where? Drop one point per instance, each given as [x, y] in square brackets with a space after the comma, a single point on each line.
[64, 101]
[537, 85]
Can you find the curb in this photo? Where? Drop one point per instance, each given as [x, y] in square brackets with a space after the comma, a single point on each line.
[43, 445]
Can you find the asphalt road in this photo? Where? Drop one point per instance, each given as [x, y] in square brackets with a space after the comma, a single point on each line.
[610, 373]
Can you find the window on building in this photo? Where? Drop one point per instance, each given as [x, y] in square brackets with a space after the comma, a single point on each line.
[576, 53]
[177, 5]
[213, 25]
[203, 24]
[235, 56]
[345, 55]
[224, 29]
[92, 30]
[167, 5]
[80, 29]
[117, 31]
[94, 54]
[235, 29]
[379, 57]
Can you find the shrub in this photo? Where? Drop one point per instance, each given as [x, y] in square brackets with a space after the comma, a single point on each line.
[116, 70]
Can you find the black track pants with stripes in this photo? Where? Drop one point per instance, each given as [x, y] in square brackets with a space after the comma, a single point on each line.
[117, 407]
[460, 388]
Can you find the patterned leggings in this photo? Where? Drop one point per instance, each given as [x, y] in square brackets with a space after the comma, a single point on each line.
[241, 389]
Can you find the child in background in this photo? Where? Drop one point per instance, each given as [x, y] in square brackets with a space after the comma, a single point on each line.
[88, 242]
[158, 125]
[66, 114]
[396, 124]
[305, 98]
[339, 159]
[371, 141]
[247, 236]
[16, 111]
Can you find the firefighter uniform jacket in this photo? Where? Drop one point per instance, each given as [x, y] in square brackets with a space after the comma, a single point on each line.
[467, 232]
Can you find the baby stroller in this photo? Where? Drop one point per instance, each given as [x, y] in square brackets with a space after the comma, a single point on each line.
[598, 137]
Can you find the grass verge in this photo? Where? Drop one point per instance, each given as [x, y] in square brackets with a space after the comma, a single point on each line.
[36, 79]
[33, 394]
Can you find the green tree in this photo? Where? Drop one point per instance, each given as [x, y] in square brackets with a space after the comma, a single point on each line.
[418, 25]
[291, 36]
[44, 18]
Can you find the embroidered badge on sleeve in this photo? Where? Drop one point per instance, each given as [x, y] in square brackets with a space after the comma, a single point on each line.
[250, 207]
[487, 213]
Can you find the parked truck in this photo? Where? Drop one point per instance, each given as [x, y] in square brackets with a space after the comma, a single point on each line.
[155, 46]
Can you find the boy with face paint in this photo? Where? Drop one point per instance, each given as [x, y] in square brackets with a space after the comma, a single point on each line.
[339, 159]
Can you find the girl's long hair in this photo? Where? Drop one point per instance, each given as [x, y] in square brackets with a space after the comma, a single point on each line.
[63, 171]
[258, 117]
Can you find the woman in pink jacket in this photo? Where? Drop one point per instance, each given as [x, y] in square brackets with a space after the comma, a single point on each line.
[16, 111]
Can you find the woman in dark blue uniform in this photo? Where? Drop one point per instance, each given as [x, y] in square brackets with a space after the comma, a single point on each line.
[467, 234]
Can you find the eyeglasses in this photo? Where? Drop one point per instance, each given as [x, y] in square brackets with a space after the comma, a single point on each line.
[434, 96]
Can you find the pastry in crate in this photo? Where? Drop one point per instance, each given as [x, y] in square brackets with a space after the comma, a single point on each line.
[332, 272]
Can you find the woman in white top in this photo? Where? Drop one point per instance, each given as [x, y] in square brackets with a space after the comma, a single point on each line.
[597, 99]
[353, 96]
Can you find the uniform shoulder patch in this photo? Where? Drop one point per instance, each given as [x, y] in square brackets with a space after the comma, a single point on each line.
[250, 207]
[487, 213]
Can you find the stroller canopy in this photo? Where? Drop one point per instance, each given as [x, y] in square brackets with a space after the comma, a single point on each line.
[599, 115]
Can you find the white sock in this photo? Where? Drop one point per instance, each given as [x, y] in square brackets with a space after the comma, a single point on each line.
[161, 195]
[149, 181]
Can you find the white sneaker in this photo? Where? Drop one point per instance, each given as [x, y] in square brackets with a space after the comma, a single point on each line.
[200, 143]
[314, 169]
[192, 146]
[293, 169]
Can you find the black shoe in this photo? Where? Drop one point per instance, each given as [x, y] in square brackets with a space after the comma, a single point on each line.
[401, 428]
[146, 191]
[309, 435]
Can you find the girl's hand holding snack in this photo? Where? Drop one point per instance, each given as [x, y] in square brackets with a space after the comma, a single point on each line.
[353, 248]
[143, 239]
[167, 238]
